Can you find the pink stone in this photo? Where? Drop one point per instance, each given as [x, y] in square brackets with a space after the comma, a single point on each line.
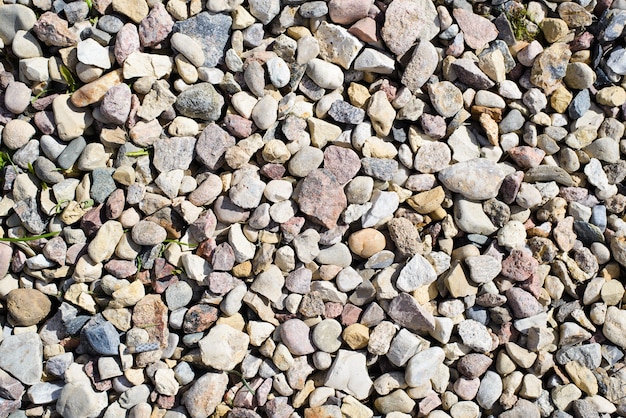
[126, 42]
[466, 388]
[365, 30]
[345, 12]
[519, 265]
[522, 303]
[155, 27]
[52, 30]
[322, 198]
[342, 162]
[350, 314]
[478, 31]
[527, 157]
[295, 334]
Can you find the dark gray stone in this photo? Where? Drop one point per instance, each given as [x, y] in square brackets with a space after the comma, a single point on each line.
[102, 184]
[200, 101]
[211, 31]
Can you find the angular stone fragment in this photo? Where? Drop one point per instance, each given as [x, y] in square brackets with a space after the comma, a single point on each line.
[421, 66]
[205, 394]
[407, 21]
[405, 310]
[477, 30]
[211, 31]
[416, 273]
[322, 198]
[477, 179]
[22, 356]
[224, 347]
[349, 374]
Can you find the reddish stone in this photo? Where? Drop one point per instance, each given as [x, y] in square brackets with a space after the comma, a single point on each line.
[150, 313]
[322, 198]
[365, 30]
[223, 258]
[212, 145]
[52, 30]
[203, 227]
[126, 42]
[510, 187]
[75, 252]
[345, 12]
[405, 311]
[166, 402]
[121, 269]
[273, 171]
[522, 303]
[162, 275]
[238, 126]
[526, 157]
[91, 221]
[299, 281]
[342, 162]
[519, 265]
[45, 122]
[433, 125]
[350, 314]
[291, 228]
[332, 309]
[477, 30]
[199, 318]
[391, 90]
[205, 249]
[115, 204]
[220, 282]
[92, 371]
[155, 27]
[43, 103]
[473, 365]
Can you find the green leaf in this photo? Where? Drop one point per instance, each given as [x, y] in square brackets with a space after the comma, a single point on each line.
[32, 238]
[69, 78]
[89, 4]
[139, 153]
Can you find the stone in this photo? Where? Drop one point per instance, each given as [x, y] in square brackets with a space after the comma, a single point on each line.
[407, 21]
[477, 30]
[337, 45]
[416, 273]
[615, 326]
[205, 394]
[423, 366]
[407, 312]
[27, 306]
[200, 101]
[445, 97]
[224, 347]
[366, 242]
[348, 373]
[295, 335]
[21, 355]
[477, 179]
[422, 65]
[322, 198]
[78, 399]
[14, 18]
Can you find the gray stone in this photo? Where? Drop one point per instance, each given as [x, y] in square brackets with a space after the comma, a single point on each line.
[22, 356]
[211, 31]
[200, 101]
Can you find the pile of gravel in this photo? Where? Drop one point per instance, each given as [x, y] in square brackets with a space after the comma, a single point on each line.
[312, 209]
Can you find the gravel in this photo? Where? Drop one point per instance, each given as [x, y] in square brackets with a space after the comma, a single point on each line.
[286, 209]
